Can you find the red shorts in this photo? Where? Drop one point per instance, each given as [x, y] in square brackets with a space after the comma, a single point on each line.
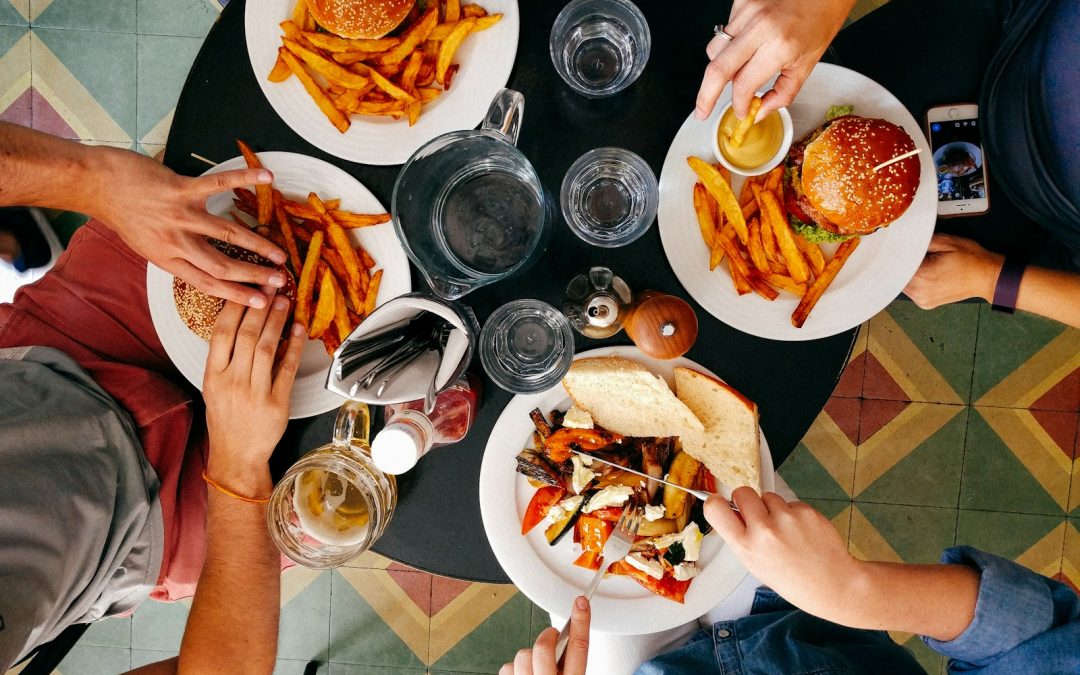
[92, 306]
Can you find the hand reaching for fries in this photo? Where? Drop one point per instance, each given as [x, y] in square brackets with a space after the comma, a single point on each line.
[954, 269]
[162, 216]
[771, 36]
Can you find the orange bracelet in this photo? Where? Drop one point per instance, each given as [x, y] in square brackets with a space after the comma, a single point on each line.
[221, 488]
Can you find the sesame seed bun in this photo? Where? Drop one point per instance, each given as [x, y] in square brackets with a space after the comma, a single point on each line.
[199, 310]
[844, 193]
[356, 19]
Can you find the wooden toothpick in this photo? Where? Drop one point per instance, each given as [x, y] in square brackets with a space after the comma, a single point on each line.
[213, 163]
[896, 159]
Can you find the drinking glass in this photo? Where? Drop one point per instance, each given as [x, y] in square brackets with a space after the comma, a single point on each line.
[599, 47]
[469, 207]
[526, 346]
[609, 197]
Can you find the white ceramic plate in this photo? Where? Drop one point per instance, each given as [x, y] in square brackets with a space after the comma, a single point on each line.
[874, 274]
[546, 574]
[486, 59]
[296, 176]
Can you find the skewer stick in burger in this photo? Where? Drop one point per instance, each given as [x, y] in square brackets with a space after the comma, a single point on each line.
[357, 19]
[831, 190]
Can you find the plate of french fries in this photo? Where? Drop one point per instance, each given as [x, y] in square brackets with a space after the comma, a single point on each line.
[730, 244]
[377, 101]
[342, 252]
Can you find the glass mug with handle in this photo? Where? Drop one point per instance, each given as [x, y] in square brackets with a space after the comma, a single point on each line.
[468, 205]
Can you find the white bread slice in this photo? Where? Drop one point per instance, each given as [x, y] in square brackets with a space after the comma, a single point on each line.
[732, 441]
[624, 397]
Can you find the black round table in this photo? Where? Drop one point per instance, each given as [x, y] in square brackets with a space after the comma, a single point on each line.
[437, 526]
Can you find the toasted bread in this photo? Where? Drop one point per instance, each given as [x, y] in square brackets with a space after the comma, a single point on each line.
[732, 449]
[624, 397]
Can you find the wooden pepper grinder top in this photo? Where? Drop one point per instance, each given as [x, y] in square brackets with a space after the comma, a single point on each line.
[663, 326]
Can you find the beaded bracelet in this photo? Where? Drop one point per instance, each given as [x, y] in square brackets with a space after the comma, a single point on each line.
[224, 490]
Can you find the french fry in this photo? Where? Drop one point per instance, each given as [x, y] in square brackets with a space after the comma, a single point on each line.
[738, 134]
[300, 12]
[746, 195]
[449, 47]
[349, 58]
[453, 10]
[390, 88]
[341, 312]
[813, 254]
[287, 234]
[333, 43]
[756, 249]
[442, 31]
[785, 283]
[336, 117]
[428, 94]
[473, 11]
[815, 290]
[372, 292]
[411, 38]
[365, 257]
[706, 222]
[351, 221]
[335, 73]
[751, 277]
[292, 30]
[280, 72]
[338, 239]
[306, 286]
[412, 69]
[324, 308]
[352, 291]
[449, 78]
[768, 242]
[721, 192]
[302, 210]
[773, 179]
[785, 238]
[263, 196]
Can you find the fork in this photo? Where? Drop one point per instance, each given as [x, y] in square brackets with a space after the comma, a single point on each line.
[616, 548]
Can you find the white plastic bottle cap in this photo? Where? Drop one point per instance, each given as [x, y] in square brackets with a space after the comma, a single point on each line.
[397, 448]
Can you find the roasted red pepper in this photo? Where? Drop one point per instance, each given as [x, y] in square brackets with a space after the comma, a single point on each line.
[538, 507]
[560, 443]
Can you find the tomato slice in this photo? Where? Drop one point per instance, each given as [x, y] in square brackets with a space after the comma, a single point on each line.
[538, 507]
[668, 587]
[589, 560]
[593, 532]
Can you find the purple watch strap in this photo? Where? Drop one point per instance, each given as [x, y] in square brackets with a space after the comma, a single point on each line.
[1008, 285]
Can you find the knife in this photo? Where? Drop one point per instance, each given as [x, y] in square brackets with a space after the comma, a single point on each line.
[700, 494]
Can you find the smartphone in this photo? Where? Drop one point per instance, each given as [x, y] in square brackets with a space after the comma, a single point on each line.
[959, 161]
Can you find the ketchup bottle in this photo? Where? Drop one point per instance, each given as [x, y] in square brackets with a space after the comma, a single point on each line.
[409, 434]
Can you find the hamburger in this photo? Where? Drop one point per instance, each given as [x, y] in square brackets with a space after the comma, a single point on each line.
[199, 310]
[831, 190]
[356, 19]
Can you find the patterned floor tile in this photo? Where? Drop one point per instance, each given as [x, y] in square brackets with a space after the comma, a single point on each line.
[74, 97]
[370, 560]
[15, 74]
[1074, 492]
[305, 615]
[295, 667]
[838, 511]
[892, 533]
[920, 355]
[851, 380]
[493, 642]
[910, 453]
[1034, 541]
[159, 626]
[374, 621]
[142, 657]
[14, 12]
[164, 62]
[931, 661]
[95, 661]
[539, 621]
[823, 464]
[1025, 361]
[108, 633]
[1019, 460]
[192, 18]
[348, 669]
[95, 15]
[1070, 563]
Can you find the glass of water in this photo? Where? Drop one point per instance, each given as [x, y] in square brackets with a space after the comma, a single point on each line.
[609, 197]
[526, 346]
[599, 47]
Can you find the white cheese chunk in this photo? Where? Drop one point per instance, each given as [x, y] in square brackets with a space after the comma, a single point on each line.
[576, 418]
[684, 571]
[690, 538]
[654, 512]
[562, 509]
[651, 567]
[582, 476]
[613, 495]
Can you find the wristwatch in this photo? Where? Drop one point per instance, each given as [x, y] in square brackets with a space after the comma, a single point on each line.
[1008, 285]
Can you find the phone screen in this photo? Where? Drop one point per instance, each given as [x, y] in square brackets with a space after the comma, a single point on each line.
[958, 159]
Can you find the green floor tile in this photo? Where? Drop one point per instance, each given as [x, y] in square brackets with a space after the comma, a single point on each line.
[995, 478]
[158, 626]
[164, 62]
[95, 661]
[358, 634]
[349, 669]
[95, 15]
[10, 14]
[9, 36]
[300, 667]
[927, 476]
[539, 621]
[1009, 535]
[945, 335]
[494, 642]
[108, 633]
[192, 18]
[808, 478]
[930, 660]
[305, 623]
[918, 534]
[1006, 342]
[142, 657]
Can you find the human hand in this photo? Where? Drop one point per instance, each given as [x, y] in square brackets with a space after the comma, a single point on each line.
[790, 547]
[771, 36]
[954, 269]
[247, 397]
[540, 660]
[162, 216]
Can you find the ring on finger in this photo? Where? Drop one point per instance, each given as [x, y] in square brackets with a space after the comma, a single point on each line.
[719, 31]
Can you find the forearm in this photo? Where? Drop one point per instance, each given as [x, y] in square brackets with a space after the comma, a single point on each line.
[1051, 293]
[933, 600]
[233, 625]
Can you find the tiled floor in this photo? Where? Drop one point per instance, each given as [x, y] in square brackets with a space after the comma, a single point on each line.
[949, 426]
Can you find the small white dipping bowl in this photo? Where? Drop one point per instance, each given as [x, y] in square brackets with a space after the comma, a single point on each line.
[781, 153]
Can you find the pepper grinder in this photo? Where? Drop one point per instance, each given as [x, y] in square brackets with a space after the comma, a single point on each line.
[661, 325]
[597, 303]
